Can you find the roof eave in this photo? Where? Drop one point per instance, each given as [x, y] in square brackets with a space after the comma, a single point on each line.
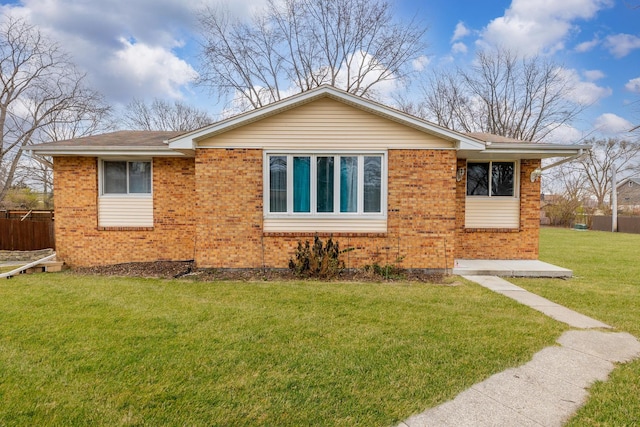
[535, 146]
[106, 151]
[525, 151]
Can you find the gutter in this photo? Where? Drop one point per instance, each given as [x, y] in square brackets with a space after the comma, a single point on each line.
[105, 152]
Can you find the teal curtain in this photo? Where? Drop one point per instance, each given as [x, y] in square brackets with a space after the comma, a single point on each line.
[301, 184]
[324, 192]
[348, 184]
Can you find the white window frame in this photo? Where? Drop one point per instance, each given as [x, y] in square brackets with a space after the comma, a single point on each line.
[336, 194]
[101, 178]
[516, 178]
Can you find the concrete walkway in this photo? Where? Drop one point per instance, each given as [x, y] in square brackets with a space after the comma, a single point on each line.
[545, 391]
[551, 309]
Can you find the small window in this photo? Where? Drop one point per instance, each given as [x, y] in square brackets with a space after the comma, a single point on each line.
[122, 177]
[493, 179]
[322, 184]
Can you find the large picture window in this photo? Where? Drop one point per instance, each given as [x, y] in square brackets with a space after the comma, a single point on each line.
[492, 179]
[124, 177]
[321, 184]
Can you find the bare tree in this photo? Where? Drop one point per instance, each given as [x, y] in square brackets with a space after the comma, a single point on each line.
[296, 45]
[604, 157]
[42, 95]
[163, 115]
[565, 194]
[502, 94]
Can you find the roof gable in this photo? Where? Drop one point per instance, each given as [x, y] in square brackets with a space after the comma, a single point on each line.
[191, 140]
[325, 124]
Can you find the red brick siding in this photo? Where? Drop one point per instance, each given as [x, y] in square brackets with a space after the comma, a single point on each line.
[79, 241]
[502, 244]
[421, 216]
[219, 221]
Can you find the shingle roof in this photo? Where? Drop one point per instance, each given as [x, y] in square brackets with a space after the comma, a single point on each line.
[122, 138]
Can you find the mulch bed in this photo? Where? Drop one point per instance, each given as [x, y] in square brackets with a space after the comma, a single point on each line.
[186, 270]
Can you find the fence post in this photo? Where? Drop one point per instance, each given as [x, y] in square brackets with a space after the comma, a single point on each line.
[614, 201]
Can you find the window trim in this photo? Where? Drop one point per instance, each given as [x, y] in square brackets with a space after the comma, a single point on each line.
[516, 178]
[101, 178]
[314, 154]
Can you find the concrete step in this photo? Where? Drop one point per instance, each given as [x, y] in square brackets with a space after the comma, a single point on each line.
[46, 267]
[509, 268]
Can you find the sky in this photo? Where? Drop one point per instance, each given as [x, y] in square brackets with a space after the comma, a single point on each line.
[148, 48]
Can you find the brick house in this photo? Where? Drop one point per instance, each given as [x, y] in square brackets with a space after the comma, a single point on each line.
[242, 192]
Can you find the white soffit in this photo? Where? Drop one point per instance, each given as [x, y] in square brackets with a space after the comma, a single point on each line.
[523, 151]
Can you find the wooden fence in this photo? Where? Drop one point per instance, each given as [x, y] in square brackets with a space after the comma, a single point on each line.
[26, 230]
[626, 224]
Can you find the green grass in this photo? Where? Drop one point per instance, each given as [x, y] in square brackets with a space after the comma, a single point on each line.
[81, 350]
[8, 268]
[606, 286]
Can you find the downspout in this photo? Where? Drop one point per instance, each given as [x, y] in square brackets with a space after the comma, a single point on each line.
[538, 171]
[565, 160]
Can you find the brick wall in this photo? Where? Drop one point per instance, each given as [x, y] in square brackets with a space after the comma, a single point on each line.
[79, 242]
[421, 216]
[521, 243]
[219, 222]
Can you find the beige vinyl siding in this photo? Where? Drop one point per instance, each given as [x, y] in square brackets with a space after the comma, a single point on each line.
[125, 211]
[492, 212]
[325, 225]
[326, 124]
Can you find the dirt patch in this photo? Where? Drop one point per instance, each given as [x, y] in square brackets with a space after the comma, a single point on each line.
[158, 269]
[186, 270]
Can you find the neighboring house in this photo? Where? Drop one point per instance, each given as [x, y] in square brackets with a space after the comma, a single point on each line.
[242, 192]
[629, 195]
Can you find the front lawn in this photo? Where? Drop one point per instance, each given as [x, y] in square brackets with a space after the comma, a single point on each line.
[88, 350]
[606, 286]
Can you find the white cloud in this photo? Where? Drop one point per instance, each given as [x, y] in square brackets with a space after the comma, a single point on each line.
[460, 32]
[621, 45]
[150, 69]
[459, 48]
[539, 26]
[583, 92]
[158, 34]
[420, 63]
[593, 75]
[563, 134]
[610, 124]
[587, 46]
[633, 85]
